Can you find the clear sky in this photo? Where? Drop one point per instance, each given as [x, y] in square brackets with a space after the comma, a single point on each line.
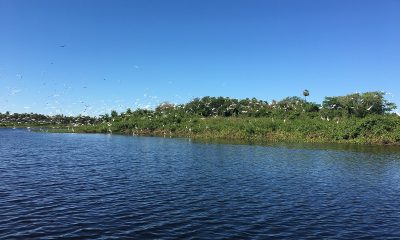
[89, 57]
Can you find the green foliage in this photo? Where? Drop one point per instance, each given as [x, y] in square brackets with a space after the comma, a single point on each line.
[114, 114]
[359, 105]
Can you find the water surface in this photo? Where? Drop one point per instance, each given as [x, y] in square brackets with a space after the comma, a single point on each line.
[104, 187]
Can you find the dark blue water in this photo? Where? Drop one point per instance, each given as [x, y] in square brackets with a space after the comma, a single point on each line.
[112, 187]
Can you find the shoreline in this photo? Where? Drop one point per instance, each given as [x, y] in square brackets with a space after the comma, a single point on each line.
[209, 137]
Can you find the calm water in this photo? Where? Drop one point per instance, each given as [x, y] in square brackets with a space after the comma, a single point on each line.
[102, 186]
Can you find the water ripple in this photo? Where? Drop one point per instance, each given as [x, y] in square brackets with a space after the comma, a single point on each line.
[74, 186]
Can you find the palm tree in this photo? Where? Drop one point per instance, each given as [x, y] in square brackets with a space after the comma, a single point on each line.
[306, 93]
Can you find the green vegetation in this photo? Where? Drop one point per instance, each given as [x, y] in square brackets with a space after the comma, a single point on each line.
[356, 118]
[40, 120]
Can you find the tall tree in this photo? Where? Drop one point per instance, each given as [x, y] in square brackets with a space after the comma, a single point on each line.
[306, 93]
[114, 114]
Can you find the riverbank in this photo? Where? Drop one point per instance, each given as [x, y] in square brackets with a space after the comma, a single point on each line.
[375, 130]
[360, 118]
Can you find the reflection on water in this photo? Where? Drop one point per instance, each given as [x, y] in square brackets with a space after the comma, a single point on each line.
[316, 146]
[105, 186]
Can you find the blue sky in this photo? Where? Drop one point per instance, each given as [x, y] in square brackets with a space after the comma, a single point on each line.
[120, 54]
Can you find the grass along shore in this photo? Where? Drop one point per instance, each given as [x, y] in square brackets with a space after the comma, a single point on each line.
[377, 130]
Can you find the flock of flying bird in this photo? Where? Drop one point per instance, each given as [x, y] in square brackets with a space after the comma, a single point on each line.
[57, 101]
[54, 104]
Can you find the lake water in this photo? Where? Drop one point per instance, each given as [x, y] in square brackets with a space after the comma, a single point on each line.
[112, 187]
